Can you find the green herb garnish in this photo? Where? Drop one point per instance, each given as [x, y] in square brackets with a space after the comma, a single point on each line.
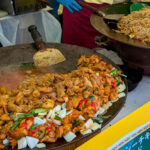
[118, 82]
[113, 72]
[87, 89]
[33, 127]
[76, 123]
[39, 110]
[15, 125]
[23, 116]
[91, 98]
[105, 117]
[122, 75]
[98, 119]
[57, 117]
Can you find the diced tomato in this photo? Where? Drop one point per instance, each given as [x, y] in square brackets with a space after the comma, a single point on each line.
[30, 118]
[94, 106]
[82, 101]
[23, 124]
[36, 130]
[49, 129]
[30, 133]
[113, 84]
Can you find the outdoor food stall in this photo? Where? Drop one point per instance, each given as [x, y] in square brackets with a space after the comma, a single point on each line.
[62, 96]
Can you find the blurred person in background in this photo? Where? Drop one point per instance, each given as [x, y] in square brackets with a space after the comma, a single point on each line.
[77, 29]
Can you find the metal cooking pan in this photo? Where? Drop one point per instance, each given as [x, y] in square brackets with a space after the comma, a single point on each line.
[135, 53]
[21, 54]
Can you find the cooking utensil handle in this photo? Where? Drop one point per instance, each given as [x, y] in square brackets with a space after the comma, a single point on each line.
[100, 13]
[39, 44]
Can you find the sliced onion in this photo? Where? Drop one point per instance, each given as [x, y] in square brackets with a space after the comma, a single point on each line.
[81, 117]
[49, 114]
[22, 143]
[63, 105]
[109, 104]
[69, 136]
[39, 121]
[62, 113]
[69, 112]
[58, 122]
[31, 141]
[96, 126]
[86, 132]
[57, 108]
[120, 95]
[40, 145]
[42, 114]
[89, 124]
[6, 142]
[121, 88]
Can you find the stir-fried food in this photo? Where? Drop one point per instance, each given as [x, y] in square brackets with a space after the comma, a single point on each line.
[47, 106]
[136, 25]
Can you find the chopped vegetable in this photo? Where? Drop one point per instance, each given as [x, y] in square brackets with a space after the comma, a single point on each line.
[40, 145]
[49, 114]
[87, 89]
[122, 75]
[15, 125]
[105, 117]
[22, 143]
[91, 98]
[23, 116]
[94, 106]
[39, 110]
[57, 108]
[113, 72]
[121, 88]
[33, 127]
[31, 141]
[57, 117]
[96, 126]
[86, 132]
[118, 82]
[62, 113]
[39, 121]
[63, 105]
[81, 117]
[69, 136]
[89, 124]
[58, 122]
[6, 142]
[120, 95]
[76, 123]
[82, 101]
[98, 119]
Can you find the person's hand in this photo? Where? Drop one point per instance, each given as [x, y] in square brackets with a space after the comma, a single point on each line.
[70, 5]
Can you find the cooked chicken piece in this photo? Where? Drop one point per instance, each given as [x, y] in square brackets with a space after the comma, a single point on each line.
[49, 103]
[36, 93]
[59, 131]
[60, 90]
[5, 117]
[18, 133]
[46, 89]
[73, 103]
[87, 83]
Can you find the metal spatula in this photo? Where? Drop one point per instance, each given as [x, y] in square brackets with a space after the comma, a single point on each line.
[110, 17]
[45, 57]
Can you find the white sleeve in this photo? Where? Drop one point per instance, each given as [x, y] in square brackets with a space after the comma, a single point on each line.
[104, 1]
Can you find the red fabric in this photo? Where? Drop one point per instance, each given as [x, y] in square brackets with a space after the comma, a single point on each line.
[77, 29]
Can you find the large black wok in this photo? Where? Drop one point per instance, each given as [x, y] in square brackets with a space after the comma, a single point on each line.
[22, 54]
[135, 53]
